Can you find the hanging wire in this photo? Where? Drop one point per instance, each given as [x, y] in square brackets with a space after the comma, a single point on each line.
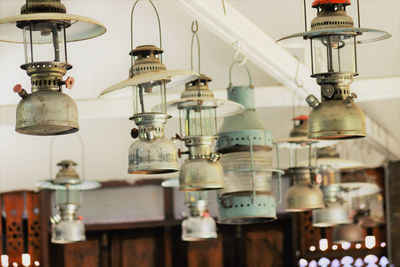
[195, 29]
[305, 15]
[247, 71]
[132, 27]
[358, 14]
[82, 155]
[223, 6]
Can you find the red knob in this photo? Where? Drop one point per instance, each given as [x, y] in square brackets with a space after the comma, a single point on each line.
[69, 83]
[17, 88]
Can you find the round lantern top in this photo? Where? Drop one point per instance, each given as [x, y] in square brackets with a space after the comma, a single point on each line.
[317, 3]
[78, 27]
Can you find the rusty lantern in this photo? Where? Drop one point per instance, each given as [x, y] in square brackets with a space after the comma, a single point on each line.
[333, 39]
[46, 29]
[147, 84]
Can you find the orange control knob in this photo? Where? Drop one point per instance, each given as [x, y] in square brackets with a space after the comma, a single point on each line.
[17, 88]
[69, 82]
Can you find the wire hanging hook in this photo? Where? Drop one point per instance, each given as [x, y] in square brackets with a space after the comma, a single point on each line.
[238, 46]
[195, 29]
[132, 27]
[298, 82]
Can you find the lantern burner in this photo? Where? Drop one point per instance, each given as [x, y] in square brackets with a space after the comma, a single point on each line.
[43, 6]
[146, 59]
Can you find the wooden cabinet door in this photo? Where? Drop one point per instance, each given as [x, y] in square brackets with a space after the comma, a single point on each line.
[82, 254]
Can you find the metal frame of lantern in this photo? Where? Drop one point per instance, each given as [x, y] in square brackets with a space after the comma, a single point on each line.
[198, 110]
[148, 78]
[67, 226]
[47, 110]
[245, 147]
[333, 39]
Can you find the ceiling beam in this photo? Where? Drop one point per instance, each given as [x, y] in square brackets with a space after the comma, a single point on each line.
[261, 49]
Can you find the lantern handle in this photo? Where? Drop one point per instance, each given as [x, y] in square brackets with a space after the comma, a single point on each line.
[247, 70]
[195, 29]
[132, 27]
[82, 155]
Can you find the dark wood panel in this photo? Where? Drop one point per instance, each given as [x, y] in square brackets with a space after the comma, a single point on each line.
[14, 207]
[205, 253]
[394, 200]
[82, 254]
[33, 223]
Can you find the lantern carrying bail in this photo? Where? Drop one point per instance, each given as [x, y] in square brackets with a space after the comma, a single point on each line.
[132, 27]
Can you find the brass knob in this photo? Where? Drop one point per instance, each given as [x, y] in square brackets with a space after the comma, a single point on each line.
[312, 101]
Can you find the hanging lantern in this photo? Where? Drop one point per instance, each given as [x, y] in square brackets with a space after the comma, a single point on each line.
[67, 226]
[333, 40]
[305, 193]
[199, 225]
[46, 29]
[245, 146]
[335, 210]
[198, 124]
[148, 80]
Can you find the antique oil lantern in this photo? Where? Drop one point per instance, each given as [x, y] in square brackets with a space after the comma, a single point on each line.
[46, 29]
[198, 110]
[305, 193]
[333, 39]
[199, 225]
[245, 147]
[67, 226]
[147, 84]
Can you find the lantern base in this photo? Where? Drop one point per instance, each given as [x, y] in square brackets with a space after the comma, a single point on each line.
[65, 232]
[155, 156]
[201, 174]
[330, 216]
[335, 120]
[47, 112]
[347, 233]
[240, 209]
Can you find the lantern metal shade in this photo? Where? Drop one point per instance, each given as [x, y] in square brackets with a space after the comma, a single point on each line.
[79, 27]
[331, 215]
[364, 35]
[124, 88]
[352, 233]
[303, 195]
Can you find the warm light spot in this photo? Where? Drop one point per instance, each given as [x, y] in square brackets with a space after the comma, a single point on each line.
[312, 248]
[334, 247]
[4, 261]
[26, 260]
[36, 263]
[15, 264]
[346, 245]
[358, 246]
[323, 244]
[370, 241]
[383, 244]
[303, 263]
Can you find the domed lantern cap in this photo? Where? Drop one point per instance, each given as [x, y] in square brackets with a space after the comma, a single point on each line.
[317, 3]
